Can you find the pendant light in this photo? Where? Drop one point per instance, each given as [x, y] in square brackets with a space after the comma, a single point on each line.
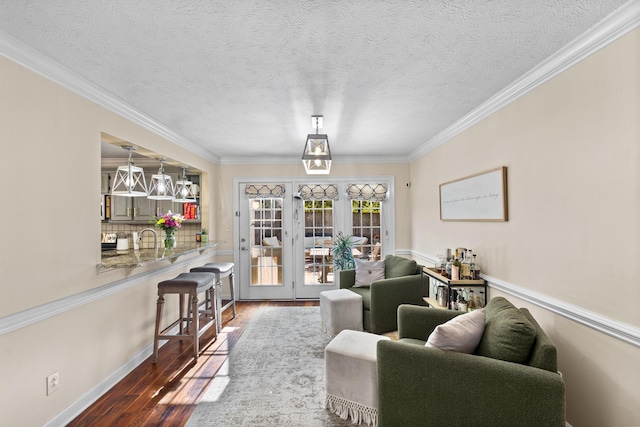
[129, 180]
[161, 185]
[184, 189]
[316, 156]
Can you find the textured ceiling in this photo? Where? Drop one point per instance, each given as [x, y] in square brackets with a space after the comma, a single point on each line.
[242, 78]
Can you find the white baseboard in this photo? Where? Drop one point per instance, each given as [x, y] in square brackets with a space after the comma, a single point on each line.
[76, 408]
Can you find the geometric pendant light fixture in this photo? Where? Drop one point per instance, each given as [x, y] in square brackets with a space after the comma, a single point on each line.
[184, 189]
[161, 185]
[129, 180]
[316, 156]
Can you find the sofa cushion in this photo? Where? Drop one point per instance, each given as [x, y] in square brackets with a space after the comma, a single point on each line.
[396, 266]
[508, 334]
[461, 334]
[367, 272]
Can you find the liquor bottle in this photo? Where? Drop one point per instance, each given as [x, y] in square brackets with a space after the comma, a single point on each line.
[465, 268]
[472, 301]
[455, 269]
[475, 268]
[480, 300]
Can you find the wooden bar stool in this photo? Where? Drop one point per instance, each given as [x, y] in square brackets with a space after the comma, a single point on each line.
[221, 270]
[190, 284]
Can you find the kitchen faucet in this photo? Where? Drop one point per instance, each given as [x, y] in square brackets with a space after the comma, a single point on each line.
[155, 237]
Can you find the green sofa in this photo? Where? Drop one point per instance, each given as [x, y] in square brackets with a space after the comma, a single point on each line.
[403, 284]
[426, 386]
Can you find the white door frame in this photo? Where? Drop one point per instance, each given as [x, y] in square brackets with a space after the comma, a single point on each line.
[342, 223]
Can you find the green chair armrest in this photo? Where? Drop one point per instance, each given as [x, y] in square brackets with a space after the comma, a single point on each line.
[387, 295]
[420, 386]
[347, 278]
[418, 321]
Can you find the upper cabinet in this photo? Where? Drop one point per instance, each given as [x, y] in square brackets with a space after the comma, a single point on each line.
[141, 209]
[105, 183]
[132, 209]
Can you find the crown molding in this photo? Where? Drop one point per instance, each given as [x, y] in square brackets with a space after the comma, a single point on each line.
[614, 26]
[611, 28]
[35, 61]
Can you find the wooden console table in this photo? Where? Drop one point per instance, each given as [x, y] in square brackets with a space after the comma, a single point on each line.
[466, 283]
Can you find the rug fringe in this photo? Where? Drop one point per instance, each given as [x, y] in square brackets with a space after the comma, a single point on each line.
[358, 412]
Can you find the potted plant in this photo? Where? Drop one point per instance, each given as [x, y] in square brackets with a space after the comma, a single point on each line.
[204, 238]
[343, 253]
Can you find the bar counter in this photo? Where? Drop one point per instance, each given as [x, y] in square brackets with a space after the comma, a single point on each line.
[132, 258]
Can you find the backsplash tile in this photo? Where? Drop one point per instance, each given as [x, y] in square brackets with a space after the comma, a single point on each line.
[186, 233]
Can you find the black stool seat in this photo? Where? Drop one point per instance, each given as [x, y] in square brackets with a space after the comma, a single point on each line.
[201, 281]
[221, 270]
[190, 284]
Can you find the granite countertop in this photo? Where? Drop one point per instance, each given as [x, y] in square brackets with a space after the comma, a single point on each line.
[131, 258]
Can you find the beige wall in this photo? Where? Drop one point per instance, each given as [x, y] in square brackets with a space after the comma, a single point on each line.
[51, 157]
[572, 148]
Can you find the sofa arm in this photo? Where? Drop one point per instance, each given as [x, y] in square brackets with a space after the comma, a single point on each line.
[385, 297]
[418, 322]
[347, 278]
[388, 294]
[421, 386]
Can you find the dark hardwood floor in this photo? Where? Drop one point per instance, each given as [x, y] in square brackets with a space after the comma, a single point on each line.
[166, 393]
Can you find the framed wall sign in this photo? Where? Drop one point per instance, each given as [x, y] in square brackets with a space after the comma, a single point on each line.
[479, 197]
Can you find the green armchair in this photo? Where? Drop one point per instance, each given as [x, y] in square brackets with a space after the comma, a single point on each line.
[425, 386]
[403, 284]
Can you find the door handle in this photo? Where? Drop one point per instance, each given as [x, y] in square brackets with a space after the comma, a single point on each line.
[243, 248]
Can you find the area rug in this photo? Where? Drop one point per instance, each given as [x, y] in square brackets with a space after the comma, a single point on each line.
[274, 375]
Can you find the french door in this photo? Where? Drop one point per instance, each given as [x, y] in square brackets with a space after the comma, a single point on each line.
[265, 242]
[316, 214]
[286, 233]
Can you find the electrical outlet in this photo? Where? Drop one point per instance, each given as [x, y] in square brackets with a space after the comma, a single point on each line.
[53, 382]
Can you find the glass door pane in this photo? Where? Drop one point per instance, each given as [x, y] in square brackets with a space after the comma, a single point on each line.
[266, 241]
[366, 229]
[318, 233]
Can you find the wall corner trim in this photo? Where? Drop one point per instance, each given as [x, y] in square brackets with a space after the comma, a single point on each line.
[622, 331]
[33, 315]
[604, 324]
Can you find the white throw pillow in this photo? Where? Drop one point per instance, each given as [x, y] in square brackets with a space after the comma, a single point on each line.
[367, 272]
[461, 334]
